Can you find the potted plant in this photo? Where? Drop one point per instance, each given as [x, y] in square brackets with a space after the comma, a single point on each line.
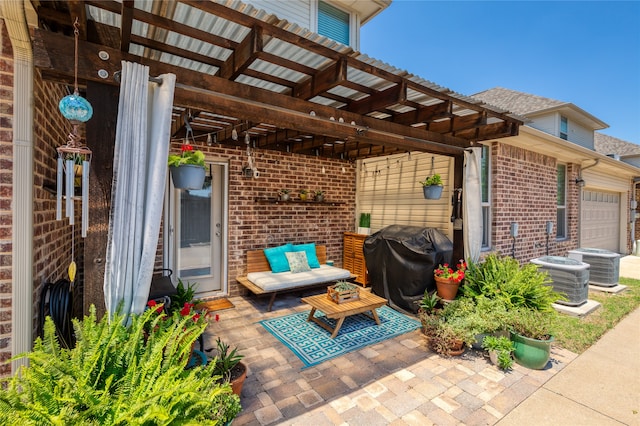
[303, 194]
[500, 350]
[112, 374]
[447, 330]
[427, 309]
[284, 194]
[187, 169]
[448, 280]
[364, 226]
[432, 187]
[319, 195]
[228, 366]
[532, 335]
[343, 291]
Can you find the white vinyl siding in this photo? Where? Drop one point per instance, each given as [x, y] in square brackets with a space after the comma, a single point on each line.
[545, 123]
[389, 188]
[297, 12]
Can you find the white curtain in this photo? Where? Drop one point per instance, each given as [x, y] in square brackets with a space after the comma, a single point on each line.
[139, 176]
[471, 205]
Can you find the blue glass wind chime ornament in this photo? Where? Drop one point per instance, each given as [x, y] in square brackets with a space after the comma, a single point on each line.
[74, 158]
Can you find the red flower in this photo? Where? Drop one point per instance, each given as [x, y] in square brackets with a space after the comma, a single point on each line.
[186, 147]
[157, 307]
[444, 271]
[186, 310]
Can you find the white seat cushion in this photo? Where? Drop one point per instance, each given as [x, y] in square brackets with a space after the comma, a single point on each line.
[269, 281]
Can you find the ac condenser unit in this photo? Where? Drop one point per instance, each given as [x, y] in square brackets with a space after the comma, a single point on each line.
[568, 276]
[604, 265]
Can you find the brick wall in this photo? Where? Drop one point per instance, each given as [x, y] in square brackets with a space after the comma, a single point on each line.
[524, 190]
[52, 239]
[6, 179]
[255, 225]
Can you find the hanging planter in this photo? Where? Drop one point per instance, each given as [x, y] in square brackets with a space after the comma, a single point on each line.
[432, 187]
[187, 176]
[432, 192]
[187, 169]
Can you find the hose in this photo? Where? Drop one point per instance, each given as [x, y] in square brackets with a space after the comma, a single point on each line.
[60, 304]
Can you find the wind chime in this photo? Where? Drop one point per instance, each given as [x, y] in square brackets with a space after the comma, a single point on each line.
[74, 158]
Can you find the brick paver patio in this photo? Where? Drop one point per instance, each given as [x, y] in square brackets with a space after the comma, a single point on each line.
[396, 382]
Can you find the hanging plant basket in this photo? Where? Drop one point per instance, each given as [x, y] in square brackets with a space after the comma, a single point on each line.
[432, 192]
[187, 176]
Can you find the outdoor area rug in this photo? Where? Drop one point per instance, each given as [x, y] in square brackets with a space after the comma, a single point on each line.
[314, 345]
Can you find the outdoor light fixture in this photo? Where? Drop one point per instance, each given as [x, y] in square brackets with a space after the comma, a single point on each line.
[580, 182]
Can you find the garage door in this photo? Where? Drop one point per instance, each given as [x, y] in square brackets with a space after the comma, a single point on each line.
[600, 224]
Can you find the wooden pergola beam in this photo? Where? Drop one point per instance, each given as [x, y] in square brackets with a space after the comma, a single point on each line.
[52, 54]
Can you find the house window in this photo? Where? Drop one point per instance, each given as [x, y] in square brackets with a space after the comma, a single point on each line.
[333, 23]
[561, 228]
[564, 128]
[485, 197]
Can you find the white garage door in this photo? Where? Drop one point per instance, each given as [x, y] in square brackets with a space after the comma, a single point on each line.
[600, 224]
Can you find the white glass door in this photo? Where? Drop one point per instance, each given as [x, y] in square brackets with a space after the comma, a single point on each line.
[198, 234]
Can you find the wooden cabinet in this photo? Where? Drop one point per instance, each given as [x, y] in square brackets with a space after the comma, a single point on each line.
[353, 258]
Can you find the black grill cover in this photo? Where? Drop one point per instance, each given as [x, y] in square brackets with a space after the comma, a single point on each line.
[401, 259]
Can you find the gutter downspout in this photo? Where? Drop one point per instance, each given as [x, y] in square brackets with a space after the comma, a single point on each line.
[635, 244]
[14, 14]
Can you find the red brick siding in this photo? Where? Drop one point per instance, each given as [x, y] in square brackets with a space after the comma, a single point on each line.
[524, 190]
[52, 239]
[6, 180]
[255, 225]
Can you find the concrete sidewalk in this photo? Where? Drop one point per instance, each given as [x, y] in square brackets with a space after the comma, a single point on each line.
[599, 387]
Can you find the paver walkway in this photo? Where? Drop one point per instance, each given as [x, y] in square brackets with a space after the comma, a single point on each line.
[396, 382]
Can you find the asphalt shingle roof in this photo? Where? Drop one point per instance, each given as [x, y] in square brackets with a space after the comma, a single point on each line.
[517, 102]
[606, 145]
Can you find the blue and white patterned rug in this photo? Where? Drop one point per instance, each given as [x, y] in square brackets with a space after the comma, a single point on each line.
[314, 345]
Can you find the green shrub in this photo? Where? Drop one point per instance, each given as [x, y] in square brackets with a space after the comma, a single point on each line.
[516, 286]
[117, 375]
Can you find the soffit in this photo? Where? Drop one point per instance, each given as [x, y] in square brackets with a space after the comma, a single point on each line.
[567, 152]
[269, 65]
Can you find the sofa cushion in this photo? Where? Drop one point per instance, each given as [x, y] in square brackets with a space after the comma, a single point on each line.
[310, 250]
[276, 257]
[268, 281]
[297, 261]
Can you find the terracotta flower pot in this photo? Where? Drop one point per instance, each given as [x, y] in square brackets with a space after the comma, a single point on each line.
[238, 376]
[447, 289]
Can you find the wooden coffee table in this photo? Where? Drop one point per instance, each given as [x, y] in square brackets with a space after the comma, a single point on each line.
[367, 302]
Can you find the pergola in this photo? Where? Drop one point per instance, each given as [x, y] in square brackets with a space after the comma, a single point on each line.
[239, 68]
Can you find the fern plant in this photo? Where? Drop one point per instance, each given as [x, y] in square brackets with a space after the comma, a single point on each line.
[516, 286]
[117, 375]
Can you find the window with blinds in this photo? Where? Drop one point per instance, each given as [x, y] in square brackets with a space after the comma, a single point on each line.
[333, 23]
[561, 227]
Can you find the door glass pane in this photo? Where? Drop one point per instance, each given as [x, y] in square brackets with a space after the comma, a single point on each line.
[195, 233]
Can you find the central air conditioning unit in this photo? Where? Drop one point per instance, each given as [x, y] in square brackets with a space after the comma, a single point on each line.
[604, 265]
[568, 276]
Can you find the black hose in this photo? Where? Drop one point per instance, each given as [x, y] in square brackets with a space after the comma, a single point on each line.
[60, 304]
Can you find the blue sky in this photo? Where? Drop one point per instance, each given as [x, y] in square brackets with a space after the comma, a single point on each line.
[583, 52]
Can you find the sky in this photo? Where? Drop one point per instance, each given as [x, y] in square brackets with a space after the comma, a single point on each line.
[583, 52]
